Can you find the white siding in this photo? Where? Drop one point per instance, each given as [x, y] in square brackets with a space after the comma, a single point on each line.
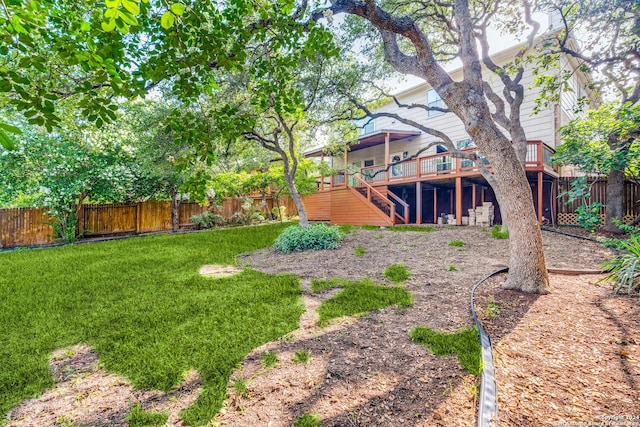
[537, 126]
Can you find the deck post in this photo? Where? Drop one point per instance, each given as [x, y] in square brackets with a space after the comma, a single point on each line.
[554, 193]
[473, 196]
[435, 205]
[418, 202]
[540, 197]
[386, 156]
[459, 200]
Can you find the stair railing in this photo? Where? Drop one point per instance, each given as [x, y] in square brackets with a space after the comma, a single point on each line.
[405, 207]
[372, 191]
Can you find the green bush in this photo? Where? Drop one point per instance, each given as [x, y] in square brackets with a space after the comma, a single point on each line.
[317, 236]
[205, 221]
[624, 269]
[497, 233]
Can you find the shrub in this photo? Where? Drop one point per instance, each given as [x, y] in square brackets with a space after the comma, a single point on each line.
[497, 233]
[206, 220]
[317, 236]
[456, 243]
[397, 273]
[624, 269]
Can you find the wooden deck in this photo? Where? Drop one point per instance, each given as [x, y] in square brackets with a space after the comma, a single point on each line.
[435, 167]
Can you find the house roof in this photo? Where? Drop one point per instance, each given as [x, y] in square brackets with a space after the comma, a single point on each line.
[370, 139]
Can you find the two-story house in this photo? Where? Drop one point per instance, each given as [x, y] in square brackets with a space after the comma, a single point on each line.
[383, 184]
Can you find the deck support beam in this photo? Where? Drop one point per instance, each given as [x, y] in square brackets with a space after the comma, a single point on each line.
[554, 193]
[473, 196]
[435, 205]
[540, 182]
[418, 202]
[459, 201]
[386, 156]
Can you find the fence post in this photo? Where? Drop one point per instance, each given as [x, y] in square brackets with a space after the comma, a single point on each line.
[138, 217]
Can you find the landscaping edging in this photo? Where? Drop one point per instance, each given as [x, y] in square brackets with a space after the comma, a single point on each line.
[488, 404]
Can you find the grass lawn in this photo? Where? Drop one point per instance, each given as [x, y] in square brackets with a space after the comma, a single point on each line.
[357, 297]
[143, 306]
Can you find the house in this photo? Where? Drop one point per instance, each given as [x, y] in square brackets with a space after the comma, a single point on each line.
[393, 181]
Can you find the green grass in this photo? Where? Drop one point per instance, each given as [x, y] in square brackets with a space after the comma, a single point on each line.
[497, 233]
[269, 359]
[241, 387]
[359, 297]
[302, 357]
[451, 267]
[318, 285]
[307, 420]
[418, 228]
[140, 418]
[397, 273]
[456, 243]
[143, 306]
[360, 251]
[464, 343]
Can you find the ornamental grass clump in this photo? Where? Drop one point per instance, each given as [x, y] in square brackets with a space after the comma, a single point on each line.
[624, 269]
[317, 236]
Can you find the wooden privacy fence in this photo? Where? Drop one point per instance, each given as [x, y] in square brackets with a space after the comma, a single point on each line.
[29, 226]
[567, 211]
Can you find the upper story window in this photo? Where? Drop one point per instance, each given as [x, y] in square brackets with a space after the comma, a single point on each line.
[365, 125]
[465, 143]
[434, 100]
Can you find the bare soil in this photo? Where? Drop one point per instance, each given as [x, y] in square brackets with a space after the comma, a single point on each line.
[571, 355]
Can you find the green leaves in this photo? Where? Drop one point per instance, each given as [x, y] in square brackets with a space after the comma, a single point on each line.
[169, 17]
[177, 9]
[167, 20]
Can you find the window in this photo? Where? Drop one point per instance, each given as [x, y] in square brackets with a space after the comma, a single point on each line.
[368, 163]
[434, 100]
[462, 145]
[365, 125]
[465, 143]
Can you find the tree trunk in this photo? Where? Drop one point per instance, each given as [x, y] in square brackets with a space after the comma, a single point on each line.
[267, 211]
[297, 200]
[78, 214]
[615, 197]
[175, 206]
[527, 268]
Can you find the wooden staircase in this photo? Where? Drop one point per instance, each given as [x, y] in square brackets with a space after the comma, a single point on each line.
[398, 212]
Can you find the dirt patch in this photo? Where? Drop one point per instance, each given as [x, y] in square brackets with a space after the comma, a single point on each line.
[86, 395]
[365, 371]
[217, 271]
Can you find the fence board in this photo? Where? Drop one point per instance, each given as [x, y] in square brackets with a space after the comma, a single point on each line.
[24, 227]
[154, 216]
[630, 206]
[100, 220]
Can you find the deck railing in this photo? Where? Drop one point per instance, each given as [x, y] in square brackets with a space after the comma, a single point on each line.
[444, 164]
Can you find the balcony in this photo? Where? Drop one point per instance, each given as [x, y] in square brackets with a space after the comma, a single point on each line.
[436, 167]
